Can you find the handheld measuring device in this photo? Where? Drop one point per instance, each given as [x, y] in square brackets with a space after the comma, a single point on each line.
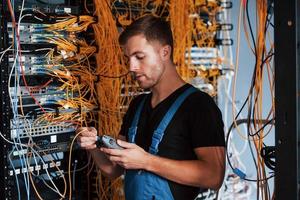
[108, 142]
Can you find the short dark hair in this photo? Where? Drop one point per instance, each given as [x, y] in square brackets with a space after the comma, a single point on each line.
[153, 28]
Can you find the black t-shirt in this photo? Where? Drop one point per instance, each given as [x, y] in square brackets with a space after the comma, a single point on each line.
[197, 123]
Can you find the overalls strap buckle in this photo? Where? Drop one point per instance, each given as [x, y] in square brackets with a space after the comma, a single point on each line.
[156, 139]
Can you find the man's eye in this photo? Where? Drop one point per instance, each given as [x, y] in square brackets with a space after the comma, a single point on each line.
[139, 57]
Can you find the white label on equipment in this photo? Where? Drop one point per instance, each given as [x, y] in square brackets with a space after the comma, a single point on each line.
[24, 170]
[21, 152]
[53, 138]
[13, 133]
[51, 165]
[58, 163]
[45, 166]
[17, 171]
[67, 10]
[37, 167]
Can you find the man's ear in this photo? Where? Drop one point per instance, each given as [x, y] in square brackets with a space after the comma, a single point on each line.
[165, 52]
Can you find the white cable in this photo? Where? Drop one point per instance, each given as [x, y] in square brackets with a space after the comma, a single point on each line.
[4, 51]
[27, 127]
[227, 81]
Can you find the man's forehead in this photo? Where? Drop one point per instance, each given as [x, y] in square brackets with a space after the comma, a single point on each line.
[138, 44]
[136, 39]
[135, 44]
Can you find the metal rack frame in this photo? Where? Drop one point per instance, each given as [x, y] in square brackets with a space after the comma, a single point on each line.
[287, 96]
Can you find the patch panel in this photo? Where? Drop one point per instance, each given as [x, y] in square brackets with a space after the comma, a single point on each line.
[25, 128]
[36, 33]
[37, 166]
[39, 113]
[30, 59]
[35, 64]
[41, 131]
[50, 149]
[204, 57]
[53, 99]
[23, 91]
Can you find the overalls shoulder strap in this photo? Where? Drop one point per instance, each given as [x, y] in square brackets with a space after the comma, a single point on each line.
[159, 132]
[133, 128]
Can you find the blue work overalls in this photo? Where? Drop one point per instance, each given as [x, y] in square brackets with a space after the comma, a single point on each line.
[144, 185]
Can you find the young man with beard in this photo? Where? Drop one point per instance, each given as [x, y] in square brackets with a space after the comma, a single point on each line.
[173, 138]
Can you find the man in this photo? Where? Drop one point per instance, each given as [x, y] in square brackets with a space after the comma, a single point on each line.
[175, 134]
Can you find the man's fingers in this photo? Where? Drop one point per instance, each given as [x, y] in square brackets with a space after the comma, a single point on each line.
[126, 145]
[90, 147]
[92, 129]
[113, 158]
[87, 145]
[112, 152]
[87, 131]
[87, 139]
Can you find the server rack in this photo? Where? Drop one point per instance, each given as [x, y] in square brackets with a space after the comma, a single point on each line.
[44, 163]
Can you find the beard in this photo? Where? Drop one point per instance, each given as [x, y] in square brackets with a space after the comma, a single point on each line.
[133, 76]
[141, 84]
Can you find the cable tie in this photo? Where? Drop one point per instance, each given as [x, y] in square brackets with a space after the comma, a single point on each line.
[239, 173]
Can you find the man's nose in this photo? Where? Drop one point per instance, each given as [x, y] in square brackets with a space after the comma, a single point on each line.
[133, 66]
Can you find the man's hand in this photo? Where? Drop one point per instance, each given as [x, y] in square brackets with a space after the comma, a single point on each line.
[131, 157]
[87, 137]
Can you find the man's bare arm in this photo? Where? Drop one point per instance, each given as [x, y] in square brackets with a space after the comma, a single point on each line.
[206, 172]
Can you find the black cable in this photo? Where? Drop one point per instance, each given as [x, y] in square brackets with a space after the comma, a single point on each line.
[272, 24]
[263, 62]
[250, 113]
[270, 10]
[253, 74]
[250, 26]
[268, 153]
[261, 128]
[227, 155]
[250, 99]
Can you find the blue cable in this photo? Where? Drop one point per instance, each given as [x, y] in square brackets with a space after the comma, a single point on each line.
[16, 176]
[239, 173]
